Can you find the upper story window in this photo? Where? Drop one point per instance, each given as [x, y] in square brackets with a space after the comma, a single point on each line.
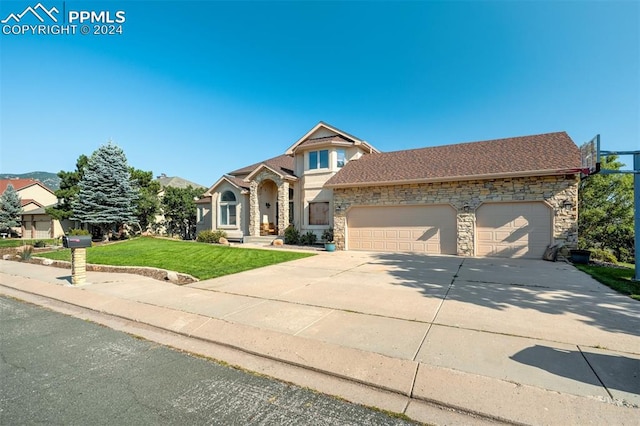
[342, 157]
[319, 159]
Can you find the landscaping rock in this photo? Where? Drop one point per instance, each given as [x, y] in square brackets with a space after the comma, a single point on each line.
[278, 242]
[172, 276]
[6, 256]
[47, 262]
[223, 241]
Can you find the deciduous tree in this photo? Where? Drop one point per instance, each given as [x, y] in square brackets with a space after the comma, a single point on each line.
[179, 209]
[148, 203]
[605, 217]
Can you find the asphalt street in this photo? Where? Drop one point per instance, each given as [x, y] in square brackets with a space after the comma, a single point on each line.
[56, 369]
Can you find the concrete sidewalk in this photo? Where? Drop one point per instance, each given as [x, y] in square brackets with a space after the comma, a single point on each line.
[512, 340]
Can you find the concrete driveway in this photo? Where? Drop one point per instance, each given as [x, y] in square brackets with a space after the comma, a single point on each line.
[525, 321]
[488, 337]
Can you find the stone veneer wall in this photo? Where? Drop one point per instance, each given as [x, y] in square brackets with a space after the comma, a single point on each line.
[283, 202]
[559, 192]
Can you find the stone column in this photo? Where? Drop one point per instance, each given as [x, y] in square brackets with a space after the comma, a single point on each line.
[283, 207]
[254, 210]
[78, 266]
[339, 227]
[465, 221]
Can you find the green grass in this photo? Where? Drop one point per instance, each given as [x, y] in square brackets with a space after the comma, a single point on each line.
[18, 242]
[621, 280]
[200, 260]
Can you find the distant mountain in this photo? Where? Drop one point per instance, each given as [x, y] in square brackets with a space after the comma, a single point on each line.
[50, 180]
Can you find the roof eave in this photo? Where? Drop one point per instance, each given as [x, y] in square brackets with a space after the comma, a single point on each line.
[285, 176]
[209, 192]
[553, 172]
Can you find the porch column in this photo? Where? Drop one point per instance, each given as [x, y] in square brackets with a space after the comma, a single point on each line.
[283, 207]
[254, 210]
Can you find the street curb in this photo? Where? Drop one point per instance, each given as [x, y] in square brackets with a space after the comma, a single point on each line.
[478, 396]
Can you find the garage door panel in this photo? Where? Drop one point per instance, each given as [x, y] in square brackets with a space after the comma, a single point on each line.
[391, 234]
[404, 234]
[513, 229]
[42, 229]
[430, 229]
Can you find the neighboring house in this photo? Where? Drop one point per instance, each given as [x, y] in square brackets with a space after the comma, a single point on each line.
[35, 197]
[507, 197]
[174, 182]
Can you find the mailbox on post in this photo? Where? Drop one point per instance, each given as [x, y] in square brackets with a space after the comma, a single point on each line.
[76, 241]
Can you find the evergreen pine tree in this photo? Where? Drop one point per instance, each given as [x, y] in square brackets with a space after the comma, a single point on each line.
[10, 209]
[68, 190]
[107, 197]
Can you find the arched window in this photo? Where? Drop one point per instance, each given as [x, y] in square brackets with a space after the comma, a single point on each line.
[228, 209]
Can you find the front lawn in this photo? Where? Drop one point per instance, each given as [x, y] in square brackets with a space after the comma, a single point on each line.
[17, 242]
[200, 260]
[619, 279]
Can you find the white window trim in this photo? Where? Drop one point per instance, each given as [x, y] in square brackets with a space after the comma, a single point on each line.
[318, 160]
[222, 204]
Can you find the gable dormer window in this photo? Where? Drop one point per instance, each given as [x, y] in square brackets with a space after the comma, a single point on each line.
[319, 159]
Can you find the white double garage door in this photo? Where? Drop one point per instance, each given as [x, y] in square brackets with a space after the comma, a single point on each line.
[517, 229]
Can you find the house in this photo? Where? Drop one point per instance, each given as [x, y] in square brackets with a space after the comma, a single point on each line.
[507, 197]
[35, 197]
[175, 182]
[165, 181]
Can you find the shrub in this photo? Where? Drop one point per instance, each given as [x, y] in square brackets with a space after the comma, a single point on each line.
[291, 235]
[327, 235]
[26, 253]
[602, 255]
[210, 236]
[309, 238]
[40, 244]
[78, 232]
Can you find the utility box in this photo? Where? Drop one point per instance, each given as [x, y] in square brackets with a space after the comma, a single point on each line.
[76, 241]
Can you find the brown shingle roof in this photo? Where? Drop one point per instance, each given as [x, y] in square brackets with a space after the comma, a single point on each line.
[238, 182]
[547, 153]
[282, 163]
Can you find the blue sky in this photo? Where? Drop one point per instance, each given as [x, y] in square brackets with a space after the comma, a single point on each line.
[196, 89]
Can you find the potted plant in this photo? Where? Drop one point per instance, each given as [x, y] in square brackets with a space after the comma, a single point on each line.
[327, 236]
[580, 256]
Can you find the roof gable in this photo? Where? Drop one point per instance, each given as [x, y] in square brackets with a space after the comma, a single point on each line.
[261, 167]
[176, 182]
[322, 133]
[282, 164]
[234, 181]
[551, 153]
[20, 184]
[27, 201]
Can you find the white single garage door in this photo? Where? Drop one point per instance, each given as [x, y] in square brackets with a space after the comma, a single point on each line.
[426, 229]
[513, 229]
